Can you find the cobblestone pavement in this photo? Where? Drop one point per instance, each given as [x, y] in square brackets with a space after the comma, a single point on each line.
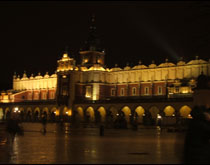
[65, 145]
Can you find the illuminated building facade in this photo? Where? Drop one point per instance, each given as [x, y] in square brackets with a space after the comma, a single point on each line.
[78, 86]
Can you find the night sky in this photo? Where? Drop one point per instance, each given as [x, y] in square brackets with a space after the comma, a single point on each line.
[34, 34]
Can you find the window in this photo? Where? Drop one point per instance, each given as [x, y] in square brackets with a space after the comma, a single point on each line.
[159, 90]
[176, 89]
[134, 91]
[88, 91]
[30, 96]
[146, 90]
[64, 91]
[122, 92]
[36, 96]
[52, 95]
[44, 96]
[112, 92]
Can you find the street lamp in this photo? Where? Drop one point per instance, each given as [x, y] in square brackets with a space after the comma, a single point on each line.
[16, 109]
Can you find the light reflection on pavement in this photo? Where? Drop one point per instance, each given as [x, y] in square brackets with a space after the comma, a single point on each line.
[84, 145]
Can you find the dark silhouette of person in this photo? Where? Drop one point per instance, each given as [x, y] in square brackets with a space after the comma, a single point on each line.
[44, 122]
[101, 128]
[197, 147]
[36, 116]
[13, 127]
[22, 116]
[28, 117]
[61, 124]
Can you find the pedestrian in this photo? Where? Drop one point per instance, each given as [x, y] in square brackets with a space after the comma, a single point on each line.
[44, 123]
[135, 125]
[13, 127]
[101, 130]
[197, 145]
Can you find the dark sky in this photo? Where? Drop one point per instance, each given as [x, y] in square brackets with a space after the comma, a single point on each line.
[35, 34]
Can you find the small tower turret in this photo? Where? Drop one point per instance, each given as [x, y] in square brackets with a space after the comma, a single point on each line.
[66, 63]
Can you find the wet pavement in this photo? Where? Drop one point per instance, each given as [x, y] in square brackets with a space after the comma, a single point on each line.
[66, 145]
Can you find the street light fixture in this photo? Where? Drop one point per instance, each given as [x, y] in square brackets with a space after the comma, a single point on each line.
[16, 109]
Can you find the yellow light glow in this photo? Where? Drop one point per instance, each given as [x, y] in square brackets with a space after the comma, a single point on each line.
[84, 69]
[65, 55]
[57, 112]
[97, 67]
[69, 113]
[185, 90]
[189, 116]
[158, 116]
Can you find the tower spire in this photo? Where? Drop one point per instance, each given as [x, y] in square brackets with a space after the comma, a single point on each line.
[92, 24]
[66, 49]
[92, 53]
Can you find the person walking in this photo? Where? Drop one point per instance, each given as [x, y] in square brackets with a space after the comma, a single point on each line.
[44, 123]
[101, 128]
[197, 140]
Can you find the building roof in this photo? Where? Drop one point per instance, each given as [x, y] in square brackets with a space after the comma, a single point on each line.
[96, 67]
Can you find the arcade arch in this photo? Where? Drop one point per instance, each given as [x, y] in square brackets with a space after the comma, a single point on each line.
[1, 113]
[80, 114]
[37, 109]
[36, 113]
[169, 111]
[29, 113]
[28, 109]
[102, 112]
[154, 111]
[113, 112]
[140, 112]
[127, 112]
[55, 111]
[67, 111]
[185, 111]
[90, 114]
[7, 110]
[45, 110]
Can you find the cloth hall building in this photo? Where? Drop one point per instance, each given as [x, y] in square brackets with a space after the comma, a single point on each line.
[87, 89]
